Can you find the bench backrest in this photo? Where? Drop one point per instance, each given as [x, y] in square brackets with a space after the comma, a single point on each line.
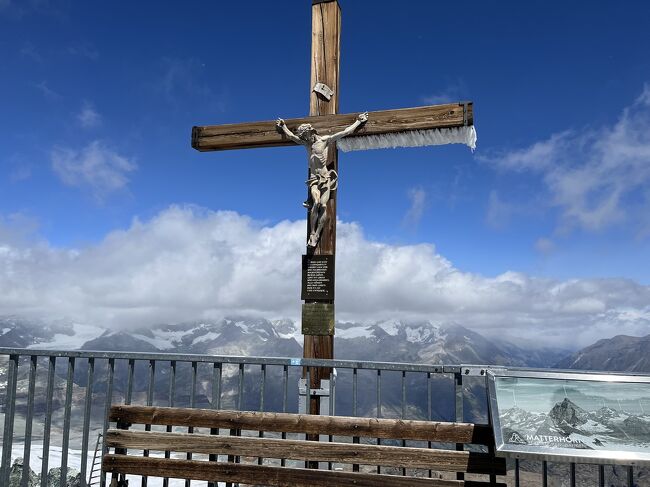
[294, 449]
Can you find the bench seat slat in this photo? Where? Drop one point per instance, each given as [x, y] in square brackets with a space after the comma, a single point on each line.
[393, 456]
[310, 424]
[266, 475]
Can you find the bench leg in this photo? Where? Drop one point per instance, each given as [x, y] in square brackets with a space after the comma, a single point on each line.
[115, 482]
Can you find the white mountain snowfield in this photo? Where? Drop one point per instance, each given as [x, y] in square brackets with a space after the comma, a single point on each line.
[422, 341]
[415, 333]
[69, 341]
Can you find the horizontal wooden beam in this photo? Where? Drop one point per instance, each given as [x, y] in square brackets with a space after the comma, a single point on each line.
[272, 476]
[265, 134]
[310, 424]
[387, 456]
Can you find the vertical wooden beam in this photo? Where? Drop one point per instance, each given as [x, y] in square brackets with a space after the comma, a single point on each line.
[325, 51]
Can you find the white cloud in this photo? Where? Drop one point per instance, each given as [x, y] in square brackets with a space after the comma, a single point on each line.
[182, 81]
[499, 212]
[96, 167]
[596, 177]
[454, 92]
[19, 167]
[544, 245]
[17, 10]
[190, 263]
[28, 50]
[418, 198]
[46, 91]
[88, 117]
[84, 50]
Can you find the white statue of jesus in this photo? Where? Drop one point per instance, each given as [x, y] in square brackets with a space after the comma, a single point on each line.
[321, 180]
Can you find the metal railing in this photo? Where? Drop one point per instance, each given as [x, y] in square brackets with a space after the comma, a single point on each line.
[64, 396]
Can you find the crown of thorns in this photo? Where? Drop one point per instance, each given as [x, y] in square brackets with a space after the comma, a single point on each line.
[304, 128]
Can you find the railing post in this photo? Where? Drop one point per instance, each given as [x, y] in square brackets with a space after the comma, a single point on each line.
[107, 408]
[194, 370]
[86, 423]
[630, 476]
[33, 361]
[147, 427]
[66, 422]
[51, 368]
[10, 410]
[460, 414]
[170, 403]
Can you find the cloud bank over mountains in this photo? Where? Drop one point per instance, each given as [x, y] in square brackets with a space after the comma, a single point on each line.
[596, 177]
[188, 262]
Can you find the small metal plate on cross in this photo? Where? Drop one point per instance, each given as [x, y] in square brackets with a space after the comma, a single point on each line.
[324, 90]
[318, 319]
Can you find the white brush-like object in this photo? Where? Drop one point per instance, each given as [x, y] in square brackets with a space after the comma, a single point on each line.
[412, 138]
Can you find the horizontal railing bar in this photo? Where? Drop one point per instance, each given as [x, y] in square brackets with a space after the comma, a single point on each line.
[228, 359]
[464, 369]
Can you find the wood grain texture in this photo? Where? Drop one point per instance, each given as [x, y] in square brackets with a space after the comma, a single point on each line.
[389, 456]
[265, 475]
[265, 134]
[325, 52]
[325, 56]
[299, 423]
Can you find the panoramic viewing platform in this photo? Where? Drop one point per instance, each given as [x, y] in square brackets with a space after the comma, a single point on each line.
[327, 243]
[65, 410]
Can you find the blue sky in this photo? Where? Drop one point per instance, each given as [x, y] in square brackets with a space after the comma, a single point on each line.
[97, 102]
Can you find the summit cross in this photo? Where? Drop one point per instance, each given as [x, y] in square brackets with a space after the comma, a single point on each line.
[427, 125]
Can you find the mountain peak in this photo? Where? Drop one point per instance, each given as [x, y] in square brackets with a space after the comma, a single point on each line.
[569, 413]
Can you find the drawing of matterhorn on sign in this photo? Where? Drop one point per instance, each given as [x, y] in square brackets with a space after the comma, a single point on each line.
[582, 416]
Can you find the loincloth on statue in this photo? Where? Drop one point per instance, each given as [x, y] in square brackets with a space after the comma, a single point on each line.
[324, 180]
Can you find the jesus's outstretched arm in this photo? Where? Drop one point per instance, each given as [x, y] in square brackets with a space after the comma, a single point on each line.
[361, 119]
[283, 126]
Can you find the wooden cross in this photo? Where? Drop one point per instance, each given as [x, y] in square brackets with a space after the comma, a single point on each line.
[318, 314]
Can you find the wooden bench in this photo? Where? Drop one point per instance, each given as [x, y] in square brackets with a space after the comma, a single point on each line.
[257, 472]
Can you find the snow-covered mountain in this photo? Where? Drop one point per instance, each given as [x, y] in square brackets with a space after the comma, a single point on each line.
[586, 429]
[394, 340]
[419, 342]
[391, 341]
[229, 336]
[526, 420]
[23, 333]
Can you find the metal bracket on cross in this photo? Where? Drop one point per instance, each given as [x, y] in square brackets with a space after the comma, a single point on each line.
[324, 90]
[323, 392]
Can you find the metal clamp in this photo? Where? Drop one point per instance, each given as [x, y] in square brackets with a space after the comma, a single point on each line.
[465, 104]
[323, 392]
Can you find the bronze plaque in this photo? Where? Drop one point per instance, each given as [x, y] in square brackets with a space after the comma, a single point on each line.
[317, 277]
[318, 319]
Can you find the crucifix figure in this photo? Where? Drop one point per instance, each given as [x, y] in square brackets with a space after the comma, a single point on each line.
[407, 127]
[322, 181]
